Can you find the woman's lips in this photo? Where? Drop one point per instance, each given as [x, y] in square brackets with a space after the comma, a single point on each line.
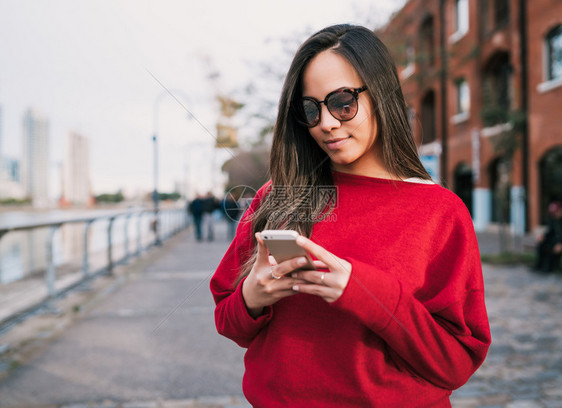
[334, 144]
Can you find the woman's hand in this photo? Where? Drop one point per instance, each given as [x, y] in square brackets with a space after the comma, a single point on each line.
[328, 285]
[266, 283]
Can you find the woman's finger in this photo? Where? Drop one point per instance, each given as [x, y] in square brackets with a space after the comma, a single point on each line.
[263, 254]
[330, 260]
[290, 265]
[310, 276]
[319, 264]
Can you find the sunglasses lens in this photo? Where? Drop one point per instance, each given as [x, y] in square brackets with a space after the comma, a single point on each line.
[342, 105]
[311, 112]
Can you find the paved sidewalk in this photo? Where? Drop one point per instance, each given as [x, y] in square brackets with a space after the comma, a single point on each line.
[524, 365]
[147, 339]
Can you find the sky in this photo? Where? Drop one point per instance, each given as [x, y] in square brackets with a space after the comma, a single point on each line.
[108, 70]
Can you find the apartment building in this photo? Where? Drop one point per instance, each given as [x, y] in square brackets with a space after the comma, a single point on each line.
[483, 81]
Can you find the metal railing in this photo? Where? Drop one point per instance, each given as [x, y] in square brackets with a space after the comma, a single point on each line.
[156, 230]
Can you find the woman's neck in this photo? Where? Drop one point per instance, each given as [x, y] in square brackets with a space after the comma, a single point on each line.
[367, 171]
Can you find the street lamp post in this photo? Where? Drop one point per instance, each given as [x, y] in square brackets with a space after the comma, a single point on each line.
[155, 192]
[155, 198]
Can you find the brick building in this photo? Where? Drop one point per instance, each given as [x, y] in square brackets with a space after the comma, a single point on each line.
[483, 80]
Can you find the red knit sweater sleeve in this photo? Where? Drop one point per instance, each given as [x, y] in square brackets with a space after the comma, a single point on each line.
[231, 315]
[439, 331]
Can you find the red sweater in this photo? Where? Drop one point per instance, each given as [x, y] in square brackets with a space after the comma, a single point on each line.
[410, 326]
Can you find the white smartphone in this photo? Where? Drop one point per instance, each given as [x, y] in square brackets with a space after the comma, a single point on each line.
[282, 245]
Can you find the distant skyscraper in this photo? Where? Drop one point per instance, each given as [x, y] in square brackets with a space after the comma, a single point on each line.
[12, 169]
[35, 158]
[76, 188]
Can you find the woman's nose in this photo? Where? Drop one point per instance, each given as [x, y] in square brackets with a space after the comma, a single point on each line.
[327, 120]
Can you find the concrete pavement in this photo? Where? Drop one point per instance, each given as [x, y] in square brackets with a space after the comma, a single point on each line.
[524, 365]
[147, 339]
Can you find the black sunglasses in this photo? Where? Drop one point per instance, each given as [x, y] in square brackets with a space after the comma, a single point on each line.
[341, 103]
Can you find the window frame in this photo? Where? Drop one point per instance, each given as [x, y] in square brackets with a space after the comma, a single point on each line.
[461, 115]
[462, 84]
[550, 82]
[548, 41]
[462, 22]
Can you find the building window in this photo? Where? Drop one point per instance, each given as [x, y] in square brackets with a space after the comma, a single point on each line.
[554, 53]
[410, 54]
[500, 186]
[501, 12]
[461, 16]
[462, 101]
[463, 96]
[464, 184]
[428, 122]
[410, 61]
[427, 41]
[496, 90]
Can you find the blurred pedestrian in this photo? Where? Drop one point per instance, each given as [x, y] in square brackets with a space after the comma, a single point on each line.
[549, 244]
[195, 208]
[394, 314]
[209, 204]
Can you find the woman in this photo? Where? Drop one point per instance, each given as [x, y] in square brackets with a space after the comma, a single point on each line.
[395, 315]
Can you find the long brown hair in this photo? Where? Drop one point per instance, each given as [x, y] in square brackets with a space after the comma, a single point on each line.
[298, 166]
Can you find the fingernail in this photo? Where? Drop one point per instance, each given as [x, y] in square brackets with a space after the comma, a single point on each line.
[301, 240]
[296, 288]
[301, 261]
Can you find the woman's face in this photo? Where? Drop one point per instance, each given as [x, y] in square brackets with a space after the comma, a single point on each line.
[350, 145]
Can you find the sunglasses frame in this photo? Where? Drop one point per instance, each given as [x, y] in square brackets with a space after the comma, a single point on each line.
[353, 91]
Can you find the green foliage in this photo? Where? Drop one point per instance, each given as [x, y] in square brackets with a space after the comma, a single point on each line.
[518, 120]
[493, 115]
[110, 198]
[508, 141]
[509, 258]
[15, 201]
[175, 196]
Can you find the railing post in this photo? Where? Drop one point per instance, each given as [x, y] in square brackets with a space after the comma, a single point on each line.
[51, 273]
[161, 224]
[126, 239]
[155, 228]
[139, 234]
[109, 246]
[85, 261]
[165, 228]
[2, 233]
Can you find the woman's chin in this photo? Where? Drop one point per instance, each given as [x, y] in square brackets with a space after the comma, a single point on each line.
[342, 165]
[341, 159]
